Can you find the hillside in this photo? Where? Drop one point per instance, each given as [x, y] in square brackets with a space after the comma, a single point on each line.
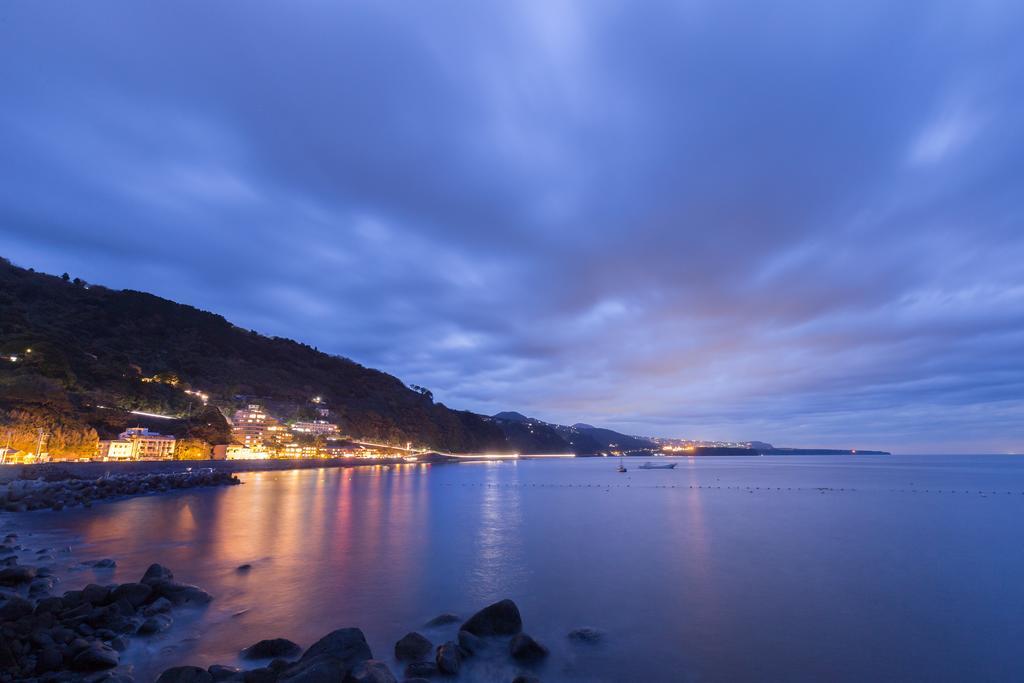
[579, 438]
[128, 350]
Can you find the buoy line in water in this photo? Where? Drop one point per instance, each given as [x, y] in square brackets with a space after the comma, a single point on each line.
[748, 489]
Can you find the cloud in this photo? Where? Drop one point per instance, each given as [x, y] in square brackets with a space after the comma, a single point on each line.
[799, 224]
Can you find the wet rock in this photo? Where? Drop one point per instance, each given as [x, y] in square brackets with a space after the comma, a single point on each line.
[525, 678]
[421, 670]
[220, 672]
[158, 606]
[96, 656]
[261, 675]
[95, 594]
[320, 669]
[135, 593]
[273, 647]
[105, 563]
[157, 572]
[469, 643]
[15, 608]
[48, 659]
[526, 649]
[500, 619]
[370, 671]
[180, 593]
[119, 643]
[449, 658]
[158, 623]
[586, 635]
[413, 647]
[16, 575]
[442, 620]
[241, 569]
[347, 645]
[185, 674]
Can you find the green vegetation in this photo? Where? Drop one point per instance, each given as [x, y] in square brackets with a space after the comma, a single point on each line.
[84, 355]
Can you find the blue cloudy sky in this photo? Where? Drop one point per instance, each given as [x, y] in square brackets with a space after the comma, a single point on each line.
[793, 221]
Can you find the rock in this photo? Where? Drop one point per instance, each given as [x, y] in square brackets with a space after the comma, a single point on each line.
[274, 647]
[421, 670]
[48, 659]
[526, 649]
[185, 674]
[219, 672]
[371, 671]
[500, 619]
[261, 675]
[586, 635]
[95, 594]
[242, 568]
[442, 620]
[158, 606]
[105, 563]
[525, 678]
[180, 593]
[449, 658]
[157, 572]
[135, 593]
[347, 645]
[413, 647]
[320, 669]
[119, 643]
[470, 643]
[15, 608]
[158, 623]
[95, 657]
[18, 574]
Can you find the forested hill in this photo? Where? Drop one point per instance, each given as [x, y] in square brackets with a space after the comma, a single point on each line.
[92, 346]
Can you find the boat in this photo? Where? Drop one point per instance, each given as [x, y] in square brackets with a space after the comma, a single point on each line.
[621, 467]
[652, 466]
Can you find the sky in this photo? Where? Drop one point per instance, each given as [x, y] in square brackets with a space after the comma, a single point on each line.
[795, 222]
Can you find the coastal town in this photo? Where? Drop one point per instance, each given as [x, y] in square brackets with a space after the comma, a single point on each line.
[256, 434]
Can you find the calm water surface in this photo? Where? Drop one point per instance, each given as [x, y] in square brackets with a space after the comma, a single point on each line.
[799, 568]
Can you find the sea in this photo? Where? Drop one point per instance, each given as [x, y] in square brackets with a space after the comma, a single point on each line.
[789, 568]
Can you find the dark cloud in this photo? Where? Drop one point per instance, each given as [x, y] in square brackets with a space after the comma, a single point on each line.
[715, 219]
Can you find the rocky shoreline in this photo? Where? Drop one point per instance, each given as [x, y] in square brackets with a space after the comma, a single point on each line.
[344, 656]
[55, 488]
[79, 635]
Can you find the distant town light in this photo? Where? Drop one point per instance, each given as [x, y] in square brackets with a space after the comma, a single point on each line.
[14, 359]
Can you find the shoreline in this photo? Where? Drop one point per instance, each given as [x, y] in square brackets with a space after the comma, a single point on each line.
[10, 473]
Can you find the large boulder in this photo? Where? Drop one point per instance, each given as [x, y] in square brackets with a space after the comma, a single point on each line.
[500, 619]
[420, 670]
[526, 649]
[412, 648]
[135, 593]
[345, 644]
[370, 671]
[185, 674]
[270, 648]
[449, 658]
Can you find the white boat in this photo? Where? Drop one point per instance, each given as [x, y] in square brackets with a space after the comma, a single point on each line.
[652, 466]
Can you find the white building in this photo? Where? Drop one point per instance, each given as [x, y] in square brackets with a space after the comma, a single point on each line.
[138, 443]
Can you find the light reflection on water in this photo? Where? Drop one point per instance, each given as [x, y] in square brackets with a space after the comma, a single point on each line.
[719, 581]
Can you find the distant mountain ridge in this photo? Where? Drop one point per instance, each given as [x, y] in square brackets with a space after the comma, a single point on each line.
[580, 438]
